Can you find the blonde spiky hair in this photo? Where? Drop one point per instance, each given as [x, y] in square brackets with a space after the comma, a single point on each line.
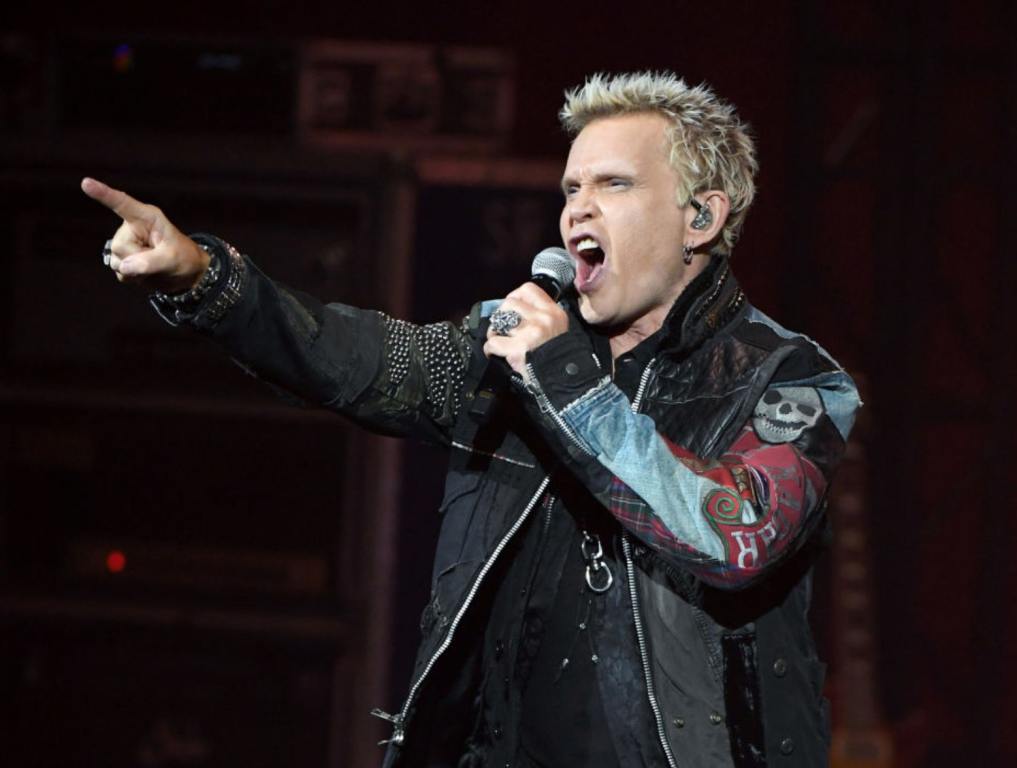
[710, 147]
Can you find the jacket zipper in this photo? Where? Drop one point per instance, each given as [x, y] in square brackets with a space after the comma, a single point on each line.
[549, 507]
[545, 406]
[641, 389]
[637, 617]
[398, 721]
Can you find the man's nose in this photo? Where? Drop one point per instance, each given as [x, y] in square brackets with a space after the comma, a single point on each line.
[582, 205]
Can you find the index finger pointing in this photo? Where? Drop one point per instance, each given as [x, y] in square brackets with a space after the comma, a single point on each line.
[122, 204]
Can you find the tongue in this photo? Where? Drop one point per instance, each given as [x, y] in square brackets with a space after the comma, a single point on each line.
[587, 273]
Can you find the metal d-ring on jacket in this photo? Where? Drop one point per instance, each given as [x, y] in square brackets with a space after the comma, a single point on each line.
[728, 667]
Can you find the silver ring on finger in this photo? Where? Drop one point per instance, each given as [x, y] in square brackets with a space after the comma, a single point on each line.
[107, 252]
[503, 321]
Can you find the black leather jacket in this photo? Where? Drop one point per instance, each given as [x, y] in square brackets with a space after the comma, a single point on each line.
[731, 675]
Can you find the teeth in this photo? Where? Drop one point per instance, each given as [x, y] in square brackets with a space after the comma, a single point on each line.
[586, 244]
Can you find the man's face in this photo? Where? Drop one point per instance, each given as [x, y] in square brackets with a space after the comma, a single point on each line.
[622, 224]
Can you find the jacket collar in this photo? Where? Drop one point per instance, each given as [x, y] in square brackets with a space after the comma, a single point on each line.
[709, 302]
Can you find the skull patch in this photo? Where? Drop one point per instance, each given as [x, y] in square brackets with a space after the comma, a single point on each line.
[784, 413]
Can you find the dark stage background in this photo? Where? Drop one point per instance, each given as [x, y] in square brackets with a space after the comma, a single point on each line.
[193, 574]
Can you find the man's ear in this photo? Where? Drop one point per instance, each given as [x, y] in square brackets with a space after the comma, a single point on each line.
[705, 217]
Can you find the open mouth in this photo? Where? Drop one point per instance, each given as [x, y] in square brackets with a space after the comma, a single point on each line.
[590, 259]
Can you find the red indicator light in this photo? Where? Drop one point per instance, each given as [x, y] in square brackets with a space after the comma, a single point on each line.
[115, 561]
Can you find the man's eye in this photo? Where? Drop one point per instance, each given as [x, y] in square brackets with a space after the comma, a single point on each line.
[619, 183]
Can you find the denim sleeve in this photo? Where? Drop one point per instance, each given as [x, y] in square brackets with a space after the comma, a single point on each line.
[727, 520]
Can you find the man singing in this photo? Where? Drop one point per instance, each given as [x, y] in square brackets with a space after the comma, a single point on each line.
[623, 572]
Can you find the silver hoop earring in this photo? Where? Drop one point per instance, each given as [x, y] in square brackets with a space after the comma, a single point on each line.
[687, 253]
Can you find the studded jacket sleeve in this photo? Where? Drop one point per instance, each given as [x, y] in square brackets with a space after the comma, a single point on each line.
[391, 376]
[727, 519]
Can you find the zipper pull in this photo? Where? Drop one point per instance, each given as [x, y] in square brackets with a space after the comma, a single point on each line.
[397, 729]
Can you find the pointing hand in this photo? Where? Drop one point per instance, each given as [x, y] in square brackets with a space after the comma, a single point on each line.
[147, 249]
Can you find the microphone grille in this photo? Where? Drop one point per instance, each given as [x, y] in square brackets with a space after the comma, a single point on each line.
[556, 264]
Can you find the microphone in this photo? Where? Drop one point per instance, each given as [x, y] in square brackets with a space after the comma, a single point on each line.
[553, 271]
